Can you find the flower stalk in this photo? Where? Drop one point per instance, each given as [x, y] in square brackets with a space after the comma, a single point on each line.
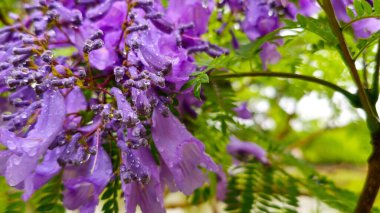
[312, 79]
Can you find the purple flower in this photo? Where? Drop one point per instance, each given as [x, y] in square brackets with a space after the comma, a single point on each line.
[236, 5]
[27, 151]
[148, 192]
[47, 169]
[257, 21]
[243, 112]
[308, 7]
[197, 13]
[243, 151]
[75, 102]
[340, 9]
[128, 116]
[221, 187]
[269, 54]
[83, 184]
[188, 103]
[365, 28]
[182, 154]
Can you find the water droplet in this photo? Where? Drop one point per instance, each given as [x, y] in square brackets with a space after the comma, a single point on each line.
[32, 151]
[17, 160]
[11, 145]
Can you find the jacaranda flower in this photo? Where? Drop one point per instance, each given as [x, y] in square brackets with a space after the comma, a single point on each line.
[243, 151]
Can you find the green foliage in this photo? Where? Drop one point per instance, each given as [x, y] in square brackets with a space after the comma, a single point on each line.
[321, 187]
[199, 79]
[49, 197]
[260, 188]
[111, 194]
[363, 44]
[364, 10]
[222, 62]
[318, 26]
[251, 49]
[14, 203]
[376, 6]
[352, 139]
[10, 199]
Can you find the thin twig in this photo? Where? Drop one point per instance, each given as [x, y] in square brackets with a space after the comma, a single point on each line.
[375, 80]
[330, 85]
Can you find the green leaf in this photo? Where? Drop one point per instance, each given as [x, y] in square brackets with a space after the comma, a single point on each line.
[350, 13]
[367, 7]
[46, 207]
[362, 44]
[247, 51]
[376, 6]
[318, 26]
[359, 7]
[222, 62]
[107, 194]
[111, 194]
[13, 206]
[107, 205]
[197, 90]
[49, 196]
[188, 84]
[203, 78]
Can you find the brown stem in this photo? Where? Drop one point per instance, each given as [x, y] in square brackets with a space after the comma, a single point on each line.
[372, 182]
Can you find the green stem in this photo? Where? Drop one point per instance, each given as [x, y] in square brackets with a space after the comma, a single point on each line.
[372, 119]
[365, 72]
[358, 19]
[375, 80]
[330, 85]
[356, 56]
[3, 20]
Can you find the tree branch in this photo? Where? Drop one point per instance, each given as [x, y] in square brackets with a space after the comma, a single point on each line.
[372, 118]
[372, 182]
[330, 85]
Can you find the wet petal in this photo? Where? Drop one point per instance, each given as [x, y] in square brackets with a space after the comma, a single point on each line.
[181, 152]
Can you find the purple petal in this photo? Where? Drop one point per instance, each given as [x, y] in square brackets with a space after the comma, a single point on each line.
[242, 150]
[308, 7]
[221, 187]
[191, 11]
[128, 115]
[85, 183]
[48, 125]
[269, 54]
[243, 112]
[364, 28]
[75, 102]
[181, 152]
[340, 9]
[43, 173]
[148, 196]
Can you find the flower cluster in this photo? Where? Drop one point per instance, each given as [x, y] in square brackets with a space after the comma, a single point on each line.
[124, 62]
